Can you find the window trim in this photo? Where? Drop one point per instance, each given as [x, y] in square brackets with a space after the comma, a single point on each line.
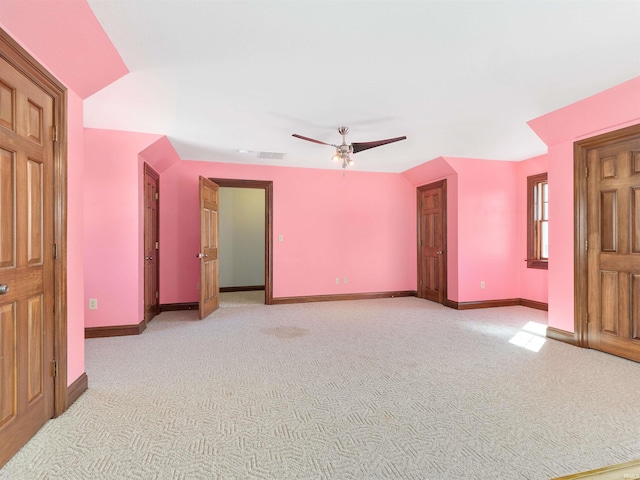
[533, 261]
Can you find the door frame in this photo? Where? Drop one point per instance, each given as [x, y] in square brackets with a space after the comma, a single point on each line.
[440, 183]
[267, 186]
[580, 149]
[23, 62]
[148, 170]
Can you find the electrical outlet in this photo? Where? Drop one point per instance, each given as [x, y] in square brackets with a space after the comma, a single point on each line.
[344, 280]
[281, 238]
[482, 285]
[93, 304]
[337, 280]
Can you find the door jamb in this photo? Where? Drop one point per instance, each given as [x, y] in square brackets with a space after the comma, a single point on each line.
[419, 189]
[22, 61]
[267, 186]
[580, 149]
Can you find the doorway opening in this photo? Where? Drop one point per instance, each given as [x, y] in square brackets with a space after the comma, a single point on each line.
[246, 241]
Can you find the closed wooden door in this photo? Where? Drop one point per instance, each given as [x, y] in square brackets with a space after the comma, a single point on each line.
[151, 243]
[209, 266]
[432, 241]
[26, 260]
[613, 248]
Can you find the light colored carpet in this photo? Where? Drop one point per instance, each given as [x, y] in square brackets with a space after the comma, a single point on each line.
[374, 389]
[240, 299]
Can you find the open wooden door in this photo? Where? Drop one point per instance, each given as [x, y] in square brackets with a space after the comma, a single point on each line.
[432, 241]
[27, 259]
[208, 255]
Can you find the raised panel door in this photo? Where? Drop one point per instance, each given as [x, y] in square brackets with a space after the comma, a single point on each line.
[432, 241]
[613, 256]
[151, 244]
[209, 266]
[26, 259]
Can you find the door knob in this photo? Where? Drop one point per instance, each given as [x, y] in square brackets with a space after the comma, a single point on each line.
[439, 252]
[201, 255]
[148, 258]
[4, 288]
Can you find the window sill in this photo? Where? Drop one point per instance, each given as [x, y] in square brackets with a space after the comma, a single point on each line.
[535, 263]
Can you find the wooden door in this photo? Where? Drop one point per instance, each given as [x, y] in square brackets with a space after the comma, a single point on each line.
[432, 241]
[209, 276]
[26, 259]
[613, 248]
[151, 243]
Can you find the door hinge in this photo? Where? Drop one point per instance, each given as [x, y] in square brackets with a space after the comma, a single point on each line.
[54, 133]
[157, 295]
[420, 282]
[586, 317]
[586, 245]
[157, 245]
[586, 172]
[157, 196]
[55, 251]
[55, 368]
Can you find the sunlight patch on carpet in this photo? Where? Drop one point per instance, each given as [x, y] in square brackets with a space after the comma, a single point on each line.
[532, 336]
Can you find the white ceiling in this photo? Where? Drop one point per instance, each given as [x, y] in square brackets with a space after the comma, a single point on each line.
[458, 78]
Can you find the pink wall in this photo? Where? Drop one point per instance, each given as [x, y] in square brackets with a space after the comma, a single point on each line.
[486, 229]
[360, 226]
[483, 228]
[75, 239]
[532, 282]
[112, 226]
[561, 252]
[609, 110]
[66, 37]
[49, 32]
[160, 155]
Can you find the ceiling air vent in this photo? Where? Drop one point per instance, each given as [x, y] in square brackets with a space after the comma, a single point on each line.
[271, 155]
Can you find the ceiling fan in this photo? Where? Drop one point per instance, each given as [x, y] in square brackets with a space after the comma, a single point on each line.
[344, 150]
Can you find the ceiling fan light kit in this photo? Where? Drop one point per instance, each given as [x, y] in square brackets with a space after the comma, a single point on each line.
[345, 150]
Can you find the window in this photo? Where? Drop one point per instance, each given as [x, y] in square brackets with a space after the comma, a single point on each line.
[537, 221]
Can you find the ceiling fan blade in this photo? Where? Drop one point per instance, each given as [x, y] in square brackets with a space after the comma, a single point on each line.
[359, 147]
[311, 140]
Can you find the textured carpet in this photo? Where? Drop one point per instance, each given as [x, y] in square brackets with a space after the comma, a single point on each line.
[374, 389]
[241, 299]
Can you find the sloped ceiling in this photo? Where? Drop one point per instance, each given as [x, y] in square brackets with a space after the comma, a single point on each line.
[459, 78]
[65, 36]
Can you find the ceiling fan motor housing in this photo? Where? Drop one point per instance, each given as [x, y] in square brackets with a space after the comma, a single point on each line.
[344, 149]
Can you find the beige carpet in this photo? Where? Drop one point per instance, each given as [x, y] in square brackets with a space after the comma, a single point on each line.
[240, 299]
[393, 388]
